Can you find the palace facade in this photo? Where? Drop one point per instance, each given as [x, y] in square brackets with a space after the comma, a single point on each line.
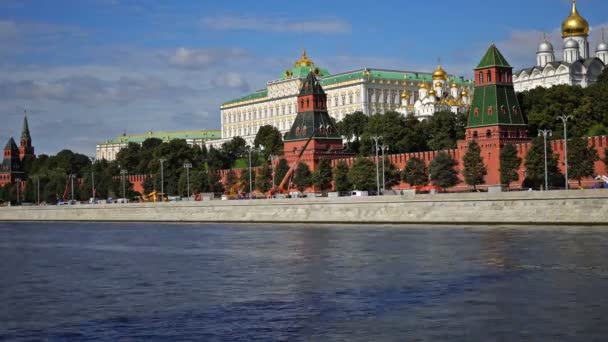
[577, 67]
[366, 90]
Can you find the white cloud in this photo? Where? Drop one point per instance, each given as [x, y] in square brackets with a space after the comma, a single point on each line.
[275, 24]
[191, 58]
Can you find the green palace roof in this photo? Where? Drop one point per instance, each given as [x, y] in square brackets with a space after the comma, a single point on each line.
[166, 136]
[376, 74]
[493, 58]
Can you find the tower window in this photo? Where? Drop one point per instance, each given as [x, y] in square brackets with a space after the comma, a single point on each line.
[489, 76]
[488, 134]
[481, 77]
[476, 111]
[490, 110]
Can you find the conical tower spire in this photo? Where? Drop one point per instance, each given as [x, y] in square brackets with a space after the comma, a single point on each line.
[25, 133]
[25, 143]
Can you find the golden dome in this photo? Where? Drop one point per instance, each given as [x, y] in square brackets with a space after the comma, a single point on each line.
[405, 95]
[454, 85]
[575, 24]
[464, 93]
[423, 86]
[432, 92]
[440, 74]
[303, 61]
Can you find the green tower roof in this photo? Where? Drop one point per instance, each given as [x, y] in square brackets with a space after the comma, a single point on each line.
[493, 58]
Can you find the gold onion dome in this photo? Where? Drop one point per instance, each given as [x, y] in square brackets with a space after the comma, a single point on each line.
[575, 24]
[464, 93]
[405, 95]
[303, 61]
[454, 85]
[432, 92]
[423, 85]
[440, 74]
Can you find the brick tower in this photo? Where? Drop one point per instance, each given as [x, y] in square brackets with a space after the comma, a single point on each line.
[25, 144]
[495, 118]
[10, 169]
[313, 135]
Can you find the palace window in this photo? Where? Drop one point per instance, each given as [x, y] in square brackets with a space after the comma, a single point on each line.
[350, 98]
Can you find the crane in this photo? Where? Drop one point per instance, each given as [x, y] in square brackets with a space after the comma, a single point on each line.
[281, 186]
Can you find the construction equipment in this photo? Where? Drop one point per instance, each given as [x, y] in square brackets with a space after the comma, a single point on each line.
[281, 187]
[154, 196]
[603, 178]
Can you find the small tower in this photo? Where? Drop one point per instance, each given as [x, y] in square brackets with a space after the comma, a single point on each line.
[11, 165]
[423, 91]
[571, 51]
[439, 79]
[545, 53]
[454, 90]
[25, 143]
[602, 50]
[313, 135]
[576, 27]
[495, 118]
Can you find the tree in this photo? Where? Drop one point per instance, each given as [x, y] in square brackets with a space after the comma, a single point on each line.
[581, 159]
[509, 164]
[352, 127]
[322, 176]
[442, 129]
[280, 171]
[535, 165]
[392, 175]
[269, 140]
[302, 178]
[215, 182]
[244, 180]
[234, 149]
[362, 175]
[442, 171]
[415, 172]
[474, 169]
[341, 180]
[263, 180]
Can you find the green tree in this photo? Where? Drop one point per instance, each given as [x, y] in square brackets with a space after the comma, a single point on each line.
[392, 175]
[303, 177]
[581, 159]
[362, 175]
[442, 129]
[474, 169]
[442, 170]
[352, 127]
[535, 165]
[244, 180]
[235, 149]
[215, 182]
[509, 164]
[415, 172]
[322, 176]
[269, 140]
[280, 171]
[263, 180]
[341, 180]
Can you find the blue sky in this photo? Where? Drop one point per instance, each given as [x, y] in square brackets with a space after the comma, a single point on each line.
[87, 70]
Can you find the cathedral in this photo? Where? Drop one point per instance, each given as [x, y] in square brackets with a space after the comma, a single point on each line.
[11, 169]
[577, 67]
[437, 97]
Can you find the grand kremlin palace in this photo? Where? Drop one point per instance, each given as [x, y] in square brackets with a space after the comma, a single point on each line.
[367, 90]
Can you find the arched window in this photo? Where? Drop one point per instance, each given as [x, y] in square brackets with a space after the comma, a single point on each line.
[476, 111]
[480, 77]
[490, 110]
[503, 110]
[488, 134]
[475, 135]
[489, 76]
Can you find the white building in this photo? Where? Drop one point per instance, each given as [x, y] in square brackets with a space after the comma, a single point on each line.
[437, 97]
[577, 67]
[366, 90]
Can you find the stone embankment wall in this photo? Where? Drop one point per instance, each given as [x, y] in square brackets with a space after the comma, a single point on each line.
[555, 207]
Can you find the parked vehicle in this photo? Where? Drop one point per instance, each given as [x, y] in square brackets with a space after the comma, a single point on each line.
[359, 193]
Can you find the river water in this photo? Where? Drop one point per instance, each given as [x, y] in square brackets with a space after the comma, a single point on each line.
[211, 282]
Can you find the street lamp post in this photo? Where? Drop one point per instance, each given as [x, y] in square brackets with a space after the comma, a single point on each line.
[384, 149]
[544, 133]
[38, 189]
[565, 119]
[376, 138]
[162, 177]
[93, 185]
[188, 166]
[123, 173]
[250, 184]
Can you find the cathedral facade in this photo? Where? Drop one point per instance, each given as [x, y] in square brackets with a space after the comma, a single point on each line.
[577, 65]
[366, 90]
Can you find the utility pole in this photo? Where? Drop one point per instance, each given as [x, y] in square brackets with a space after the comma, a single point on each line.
[162, 178]
[188, 166]
[123, 173]
[376, 138]
[565, 119]
[544, 133]
[93, 184]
